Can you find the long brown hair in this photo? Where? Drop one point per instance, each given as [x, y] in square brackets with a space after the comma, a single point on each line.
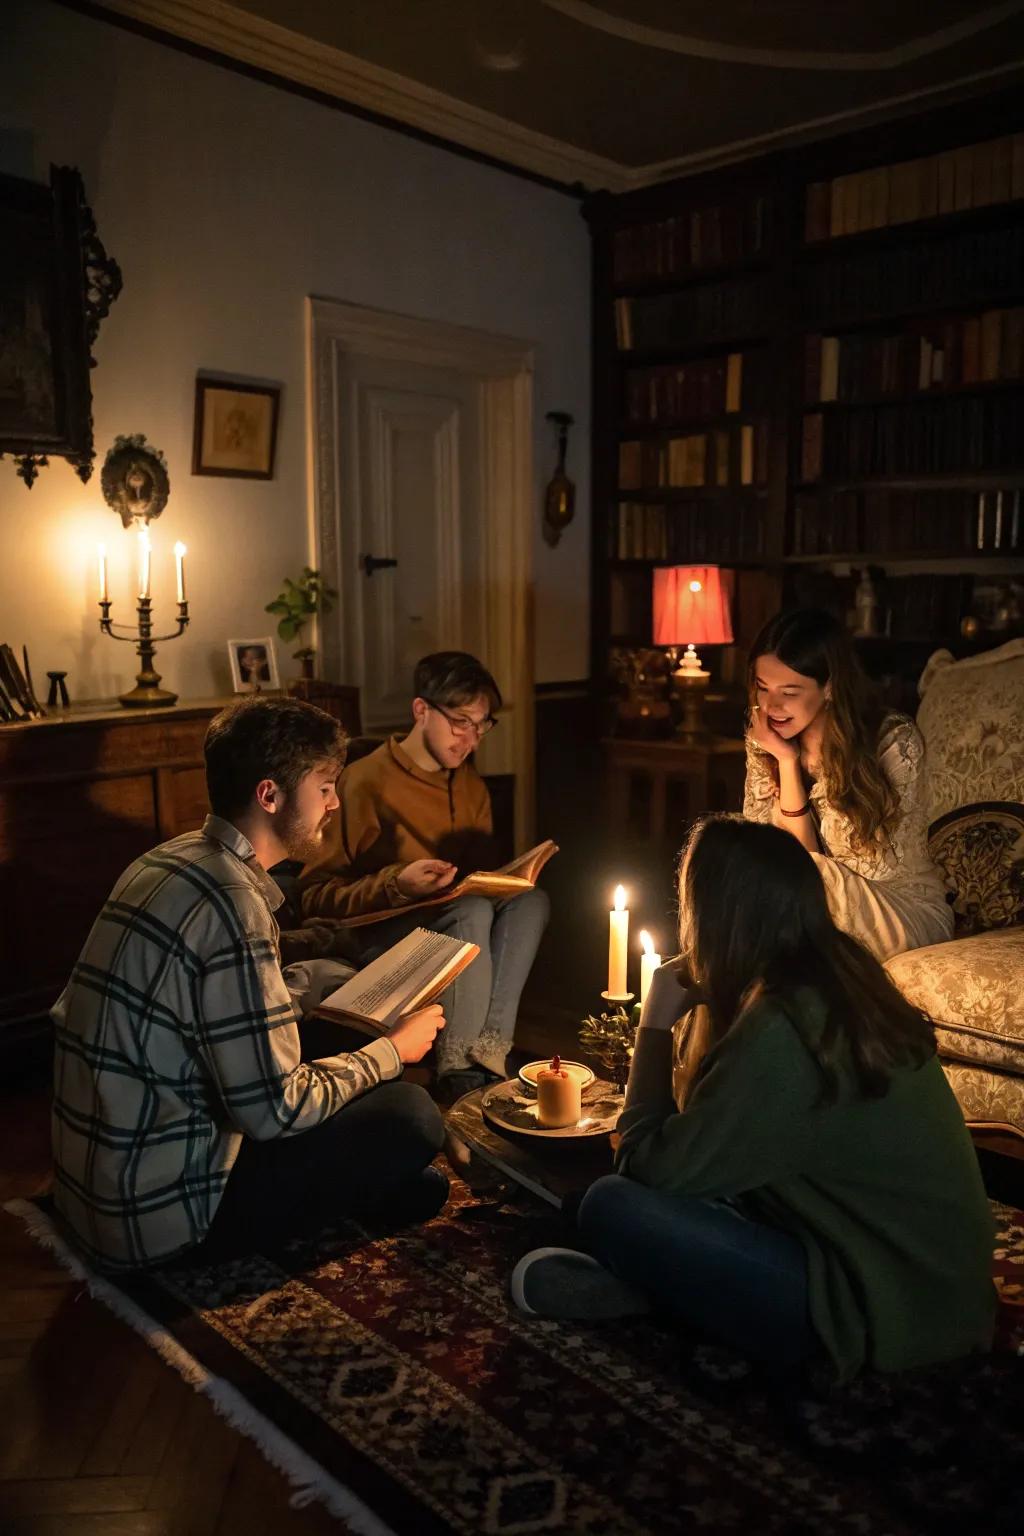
[755, 924]
[816, 645]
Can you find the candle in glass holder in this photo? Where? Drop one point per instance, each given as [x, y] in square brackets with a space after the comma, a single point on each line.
[649, 962]
[101, 550]
[559, 1096]
[179, 569]
[618, 938]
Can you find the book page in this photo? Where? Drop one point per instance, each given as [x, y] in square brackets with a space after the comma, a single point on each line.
[511, 880]
[401, 978]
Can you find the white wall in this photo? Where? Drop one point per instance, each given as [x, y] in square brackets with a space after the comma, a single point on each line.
[226, 202]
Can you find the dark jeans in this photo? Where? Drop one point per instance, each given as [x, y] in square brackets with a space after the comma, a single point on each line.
[741, 1281]
[366, 1160]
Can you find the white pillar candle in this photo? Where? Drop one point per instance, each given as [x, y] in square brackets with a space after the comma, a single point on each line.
[145, 553]
[649, 962]
[179, 569]
[618, 939]
[101, 550]
[559, 1096]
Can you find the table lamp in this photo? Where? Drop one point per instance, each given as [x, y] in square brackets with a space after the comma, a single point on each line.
[691, 608]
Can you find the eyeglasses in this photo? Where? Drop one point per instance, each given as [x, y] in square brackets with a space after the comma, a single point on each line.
[461, 725]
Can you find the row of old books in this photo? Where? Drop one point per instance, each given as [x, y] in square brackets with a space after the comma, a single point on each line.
[935, 436]
[713, 386]
[945, 354]
[17, 697]
[694, 317]
[686, 531]
[957, 270]
[731, 456]
[973, 176]
[723, 234]
[901, 523]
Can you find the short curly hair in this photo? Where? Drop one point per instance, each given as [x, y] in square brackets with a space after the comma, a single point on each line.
[279, 739]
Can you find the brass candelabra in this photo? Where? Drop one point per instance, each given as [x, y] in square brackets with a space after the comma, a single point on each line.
[147, 693]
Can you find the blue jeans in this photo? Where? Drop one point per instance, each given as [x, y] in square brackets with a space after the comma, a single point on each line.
[481, 1006]
[741, 1281]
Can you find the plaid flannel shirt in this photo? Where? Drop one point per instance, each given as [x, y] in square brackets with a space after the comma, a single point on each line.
[175, 1037]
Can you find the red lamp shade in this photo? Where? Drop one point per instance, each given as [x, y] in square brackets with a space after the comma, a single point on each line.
[691, 606]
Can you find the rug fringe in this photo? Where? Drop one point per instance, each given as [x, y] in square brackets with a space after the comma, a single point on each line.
[306, 1476]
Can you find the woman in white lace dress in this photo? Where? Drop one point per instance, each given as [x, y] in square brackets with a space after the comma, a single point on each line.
[845, 778]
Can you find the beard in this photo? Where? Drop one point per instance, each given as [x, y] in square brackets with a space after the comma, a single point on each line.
[301, 841]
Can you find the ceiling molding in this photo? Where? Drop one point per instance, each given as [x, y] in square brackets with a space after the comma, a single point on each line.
[231, 33]
[228, 30]
[600, 20]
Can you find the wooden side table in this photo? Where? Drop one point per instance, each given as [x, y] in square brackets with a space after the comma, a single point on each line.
[711, 771]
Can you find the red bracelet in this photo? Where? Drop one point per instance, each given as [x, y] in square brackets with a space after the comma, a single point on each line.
[801, 812]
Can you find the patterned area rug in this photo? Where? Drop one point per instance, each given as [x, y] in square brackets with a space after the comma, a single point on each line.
[398, 1366]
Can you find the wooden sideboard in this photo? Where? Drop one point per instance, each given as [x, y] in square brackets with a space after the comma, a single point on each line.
[82, 794]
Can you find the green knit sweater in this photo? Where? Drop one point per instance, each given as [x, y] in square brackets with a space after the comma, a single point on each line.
[885, 1195]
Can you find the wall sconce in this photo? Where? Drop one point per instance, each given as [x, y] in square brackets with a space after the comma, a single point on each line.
[134, 480]
[560, 496]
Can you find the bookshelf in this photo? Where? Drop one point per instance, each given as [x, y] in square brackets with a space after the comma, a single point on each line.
[810, 365]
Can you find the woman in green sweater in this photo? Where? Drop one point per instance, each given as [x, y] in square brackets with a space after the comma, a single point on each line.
[815, 1191]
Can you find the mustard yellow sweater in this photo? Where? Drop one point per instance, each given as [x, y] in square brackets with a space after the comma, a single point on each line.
[391, 813]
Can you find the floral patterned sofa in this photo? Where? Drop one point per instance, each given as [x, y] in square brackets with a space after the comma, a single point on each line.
[972, 720]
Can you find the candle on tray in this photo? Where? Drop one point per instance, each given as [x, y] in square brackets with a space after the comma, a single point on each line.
[145, 551]
[649, 962]
[179, 569]
[559, 1096]
[101, 550]
[618, 937]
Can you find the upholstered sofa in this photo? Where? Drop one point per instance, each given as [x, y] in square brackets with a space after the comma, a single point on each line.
[972, 719]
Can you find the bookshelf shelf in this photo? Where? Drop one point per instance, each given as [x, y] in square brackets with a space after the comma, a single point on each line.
[905, 478]
[1008, 480]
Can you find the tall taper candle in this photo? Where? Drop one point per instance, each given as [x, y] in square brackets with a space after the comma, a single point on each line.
[649, 962]
[179, 568]
[101, 550]
[618, 938]
[145, 551]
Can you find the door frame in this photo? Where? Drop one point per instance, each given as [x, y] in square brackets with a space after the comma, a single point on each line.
[503, 368]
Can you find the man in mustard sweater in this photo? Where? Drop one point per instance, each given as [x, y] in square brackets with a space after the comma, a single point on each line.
[415, 814]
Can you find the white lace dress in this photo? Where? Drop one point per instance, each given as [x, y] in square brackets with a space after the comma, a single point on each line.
[891, 898]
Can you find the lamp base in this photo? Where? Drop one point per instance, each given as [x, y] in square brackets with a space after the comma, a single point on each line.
[689, 688]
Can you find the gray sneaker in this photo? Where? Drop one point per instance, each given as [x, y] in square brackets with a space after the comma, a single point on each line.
[560, 1282]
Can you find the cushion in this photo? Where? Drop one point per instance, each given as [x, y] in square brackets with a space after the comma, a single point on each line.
[974, 990]
[972, 719]
[987, 1097]
[980, 850]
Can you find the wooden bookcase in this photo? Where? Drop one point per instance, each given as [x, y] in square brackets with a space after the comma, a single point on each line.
[810, 365]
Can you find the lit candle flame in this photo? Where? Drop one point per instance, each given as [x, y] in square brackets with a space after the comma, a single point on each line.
[646, 942]
[620, 898]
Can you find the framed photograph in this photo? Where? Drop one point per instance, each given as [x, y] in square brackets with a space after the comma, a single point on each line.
[235, 429]
[253, 665]
[56, 285]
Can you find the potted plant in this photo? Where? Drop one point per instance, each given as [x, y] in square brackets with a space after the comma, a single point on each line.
[297, 603]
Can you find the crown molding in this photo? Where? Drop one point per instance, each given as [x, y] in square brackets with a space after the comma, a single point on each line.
[237, 34]
[643, 36]
[232, 34]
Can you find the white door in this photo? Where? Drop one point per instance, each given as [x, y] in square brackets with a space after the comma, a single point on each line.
[412, 494]
[421, 455]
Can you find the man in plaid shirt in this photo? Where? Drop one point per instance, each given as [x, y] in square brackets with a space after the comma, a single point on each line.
[184, 1114]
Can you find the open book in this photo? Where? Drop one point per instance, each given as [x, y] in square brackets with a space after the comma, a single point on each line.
[499, 884]
[407, 976]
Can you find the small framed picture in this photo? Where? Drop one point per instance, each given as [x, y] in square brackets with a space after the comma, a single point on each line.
[235, 429]
[253, 665]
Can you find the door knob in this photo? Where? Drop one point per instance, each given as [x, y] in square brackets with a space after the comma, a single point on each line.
[371, 563]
